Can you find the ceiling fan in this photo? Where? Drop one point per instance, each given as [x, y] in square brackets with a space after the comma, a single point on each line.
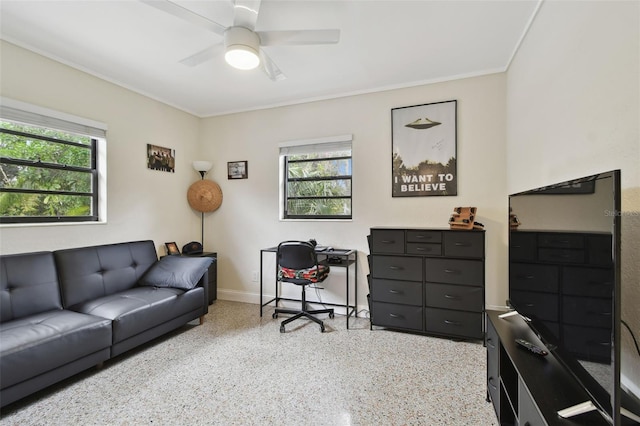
[242, 44]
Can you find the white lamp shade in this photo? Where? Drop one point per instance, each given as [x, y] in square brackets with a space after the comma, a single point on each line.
[202, 166]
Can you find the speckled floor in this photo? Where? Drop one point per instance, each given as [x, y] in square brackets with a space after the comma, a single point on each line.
[238, 369]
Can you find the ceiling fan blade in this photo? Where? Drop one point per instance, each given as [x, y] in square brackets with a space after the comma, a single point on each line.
[186, 15]
[270, 68]
[203, 56]
[298, 37]
[245, 13]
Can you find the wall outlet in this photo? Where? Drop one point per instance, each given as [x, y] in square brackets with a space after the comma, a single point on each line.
[254, 276]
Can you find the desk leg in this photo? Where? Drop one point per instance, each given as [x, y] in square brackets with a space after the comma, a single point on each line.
[355, 304]
[347, 274]
[261, 297]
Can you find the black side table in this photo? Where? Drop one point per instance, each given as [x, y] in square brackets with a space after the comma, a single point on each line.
[213, 273]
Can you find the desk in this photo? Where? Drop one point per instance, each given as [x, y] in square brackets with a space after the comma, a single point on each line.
[347, 258]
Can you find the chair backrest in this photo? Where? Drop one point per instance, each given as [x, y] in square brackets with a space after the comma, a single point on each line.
[297, 255]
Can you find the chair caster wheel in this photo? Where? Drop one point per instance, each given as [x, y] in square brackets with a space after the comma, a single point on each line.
[331, 315]
[274, 315]
[282, 329]
[322, 328]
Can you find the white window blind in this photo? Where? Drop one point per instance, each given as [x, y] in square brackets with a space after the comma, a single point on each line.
[38, 116]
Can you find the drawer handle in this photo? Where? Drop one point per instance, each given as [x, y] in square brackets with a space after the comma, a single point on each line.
[491, 383]
[525, 277]
[458, 244]
[392, 315]
[388, 241]
[599, 283]
[603, 344]
[392, 291]
[451, 296]
[396, 268]
[490, 343]
[602, 314]
[451, 271]
[449, 322]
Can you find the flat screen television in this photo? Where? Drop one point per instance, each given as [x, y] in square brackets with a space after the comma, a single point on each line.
[564, 279]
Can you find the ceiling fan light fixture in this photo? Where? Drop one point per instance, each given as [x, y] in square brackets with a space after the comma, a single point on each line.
[241, 48]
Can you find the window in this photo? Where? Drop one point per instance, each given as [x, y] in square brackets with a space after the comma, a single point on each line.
[48, 173]
[317, 179]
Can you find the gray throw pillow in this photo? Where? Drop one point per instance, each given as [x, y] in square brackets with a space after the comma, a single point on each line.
[176, 271]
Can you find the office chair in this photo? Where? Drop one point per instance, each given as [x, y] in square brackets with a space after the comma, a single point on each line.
[298, 264]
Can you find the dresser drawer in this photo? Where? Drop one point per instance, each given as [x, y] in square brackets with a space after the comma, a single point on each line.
[459, 297]
[455, 323]
[397, 268]
[387, 241]
[588, 311]
[588, 343]
[560, 240]
[527, 276]
[454, 271]
[541, 306]
[594, 282]
[600, 250]
[423, 236]
[424, 249]
[397, 316]
[464, 244]
[391, 291]
[558, 255]
[522, 246]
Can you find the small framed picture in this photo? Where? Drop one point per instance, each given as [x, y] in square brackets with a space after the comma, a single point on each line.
[237, 170]
[172, 249]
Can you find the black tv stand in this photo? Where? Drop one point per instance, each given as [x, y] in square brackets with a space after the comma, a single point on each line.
[525, 388]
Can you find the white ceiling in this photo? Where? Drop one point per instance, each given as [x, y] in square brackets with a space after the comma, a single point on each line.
[383, 44]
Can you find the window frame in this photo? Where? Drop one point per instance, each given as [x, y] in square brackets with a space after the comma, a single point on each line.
[33, 116]
[317, 145]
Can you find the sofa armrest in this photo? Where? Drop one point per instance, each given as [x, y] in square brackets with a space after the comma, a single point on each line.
[204, 283]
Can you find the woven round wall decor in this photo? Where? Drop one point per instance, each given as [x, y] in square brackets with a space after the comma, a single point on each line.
[204, 196]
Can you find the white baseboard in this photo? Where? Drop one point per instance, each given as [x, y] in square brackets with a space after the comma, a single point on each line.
[240, 296]
[496, 308]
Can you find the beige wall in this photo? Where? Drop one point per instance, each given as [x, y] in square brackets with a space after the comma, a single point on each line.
[248, 219]
[573, 95]
[142, 203]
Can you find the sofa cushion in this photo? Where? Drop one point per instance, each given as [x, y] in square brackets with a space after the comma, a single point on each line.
[89, 273]
[42, 342]
[177, 272]
[139, 309]
[28, 285]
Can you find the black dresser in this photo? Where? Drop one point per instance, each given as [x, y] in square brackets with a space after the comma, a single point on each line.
[427, 280]
[564, 280]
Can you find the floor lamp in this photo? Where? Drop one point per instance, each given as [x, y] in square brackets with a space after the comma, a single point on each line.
[204, 195]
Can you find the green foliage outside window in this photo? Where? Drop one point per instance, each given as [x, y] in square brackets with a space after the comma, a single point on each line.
[319, 185]
[45, 173]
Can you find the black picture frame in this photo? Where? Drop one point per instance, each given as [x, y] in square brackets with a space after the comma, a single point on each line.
[237, 170]
[172, 249]
[424, 150]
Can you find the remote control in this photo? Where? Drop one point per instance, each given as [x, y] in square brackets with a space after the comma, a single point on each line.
[531, 347]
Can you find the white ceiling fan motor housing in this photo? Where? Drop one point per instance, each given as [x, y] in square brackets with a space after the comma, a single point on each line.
[241, 48]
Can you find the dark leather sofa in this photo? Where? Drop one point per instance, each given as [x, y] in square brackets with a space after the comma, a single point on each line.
[65, 311]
